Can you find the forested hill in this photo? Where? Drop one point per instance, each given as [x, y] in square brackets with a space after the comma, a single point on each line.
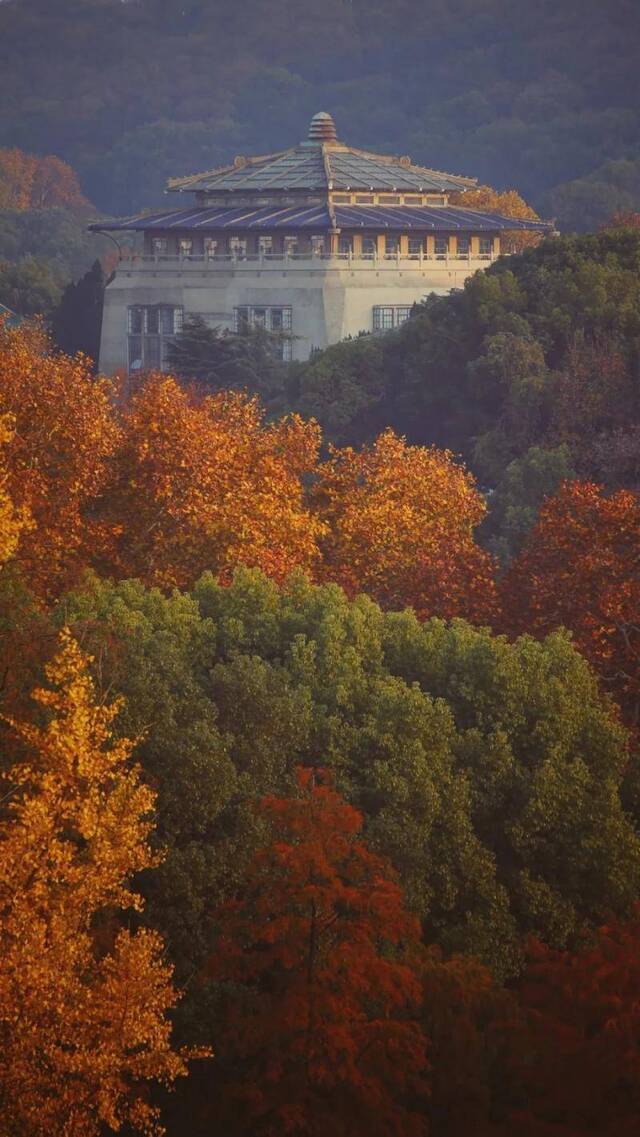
[539, 96]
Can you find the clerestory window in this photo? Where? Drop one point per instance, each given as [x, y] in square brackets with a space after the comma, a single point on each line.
[276, 320]
[150, 330]
[388, 316]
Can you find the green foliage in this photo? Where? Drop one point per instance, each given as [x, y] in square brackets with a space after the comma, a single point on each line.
[53, 235]
[31, 287]
[223, 360]
[526, 482]
[488, 772]
[537, 353]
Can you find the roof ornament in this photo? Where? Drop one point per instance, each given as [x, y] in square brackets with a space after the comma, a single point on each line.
[240, 161]
[322, 128]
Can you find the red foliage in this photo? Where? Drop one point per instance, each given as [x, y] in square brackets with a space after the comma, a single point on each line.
[583, 1063]
[580, 569]
[321, 1023]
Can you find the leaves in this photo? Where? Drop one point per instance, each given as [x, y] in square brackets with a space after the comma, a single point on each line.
[82, 1002]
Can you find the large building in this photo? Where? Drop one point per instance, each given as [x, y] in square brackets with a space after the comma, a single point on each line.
[317, 242]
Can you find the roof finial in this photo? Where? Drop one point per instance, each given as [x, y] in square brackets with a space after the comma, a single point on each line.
[322, 128]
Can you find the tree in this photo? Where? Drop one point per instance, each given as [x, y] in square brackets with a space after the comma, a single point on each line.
[579, 569]
[204, 483]
[400, 524]
[223, 360]
[57, 459]
[489, 773]
[583, 1067]
[27, 182]
[12, 522]
[83, 1002]
[507, 204]
[77, 321]
[514, 506]
[31, 287]
[323, 1026]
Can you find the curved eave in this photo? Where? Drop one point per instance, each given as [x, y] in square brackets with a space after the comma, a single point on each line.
[427, 219]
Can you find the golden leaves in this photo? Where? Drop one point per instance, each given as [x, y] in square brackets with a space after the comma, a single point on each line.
[82, 1004]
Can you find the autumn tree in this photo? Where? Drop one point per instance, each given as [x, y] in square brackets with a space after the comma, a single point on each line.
[204, 483]
[509, 203]
[582, 1071]
[579, 569]
[28, 182]
[12, 522]
[322, 1030]
[83, 1002]
[57, 458]
[400, 522]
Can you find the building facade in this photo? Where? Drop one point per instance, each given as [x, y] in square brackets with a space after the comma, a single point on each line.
[314, 243]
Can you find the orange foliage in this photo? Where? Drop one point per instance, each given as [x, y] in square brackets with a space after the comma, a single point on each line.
[507, 204]
[583, 1062]
[400, 523]
[12, 521]
[82, 1005]
[322, 1017]
[56, 461]
[579, 569]
[204, 483]
[27, 182]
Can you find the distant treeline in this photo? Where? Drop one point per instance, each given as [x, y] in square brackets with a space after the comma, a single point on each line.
[540, 97]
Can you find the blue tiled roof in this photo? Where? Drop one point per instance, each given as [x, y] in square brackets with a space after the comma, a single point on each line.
[420, 219]
[321, 167]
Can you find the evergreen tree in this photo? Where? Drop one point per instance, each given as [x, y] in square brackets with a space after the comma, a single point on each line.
[77, 321]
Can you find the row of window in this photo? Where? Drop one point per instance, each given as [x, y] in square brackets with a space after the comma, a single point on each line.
[238, 247]
[388, 199]
[151, 328]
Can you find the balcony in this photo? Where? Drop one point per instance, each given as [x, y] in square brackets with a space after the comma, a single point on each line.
[304, 260]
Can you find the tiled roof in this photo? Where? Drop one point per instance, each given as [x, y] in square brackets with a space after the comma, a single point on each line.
[321, 164]
[421, 219]
[321, 167]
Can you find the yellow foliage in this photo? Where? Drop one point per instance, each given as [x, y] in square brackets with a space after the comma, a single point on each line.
[507, 204]
[83, 1003]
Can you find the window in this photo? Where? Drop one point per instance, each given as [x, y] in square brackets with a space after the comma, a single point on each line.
[416, 246]
[390, 316]
[160, 246]
[389, 199]
[265, 245]
[486, 246]
[151, 328]
[317, 245]
[412, 199]
[391, 245]
[275, 320]
[441, 247]
[345, 245]
[342, 198]
[238, 247]
[290, 246]
[365, 199]
[210, 247]
[369, 246]
[463, 245]
[185, 246]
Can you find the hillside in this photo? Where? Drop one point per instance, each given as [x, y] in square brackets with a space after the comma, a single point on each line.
[484, 87]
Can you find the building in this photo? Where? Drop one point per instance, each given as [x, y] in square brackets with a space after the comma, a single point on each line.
[317, 242]
[9, 318]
